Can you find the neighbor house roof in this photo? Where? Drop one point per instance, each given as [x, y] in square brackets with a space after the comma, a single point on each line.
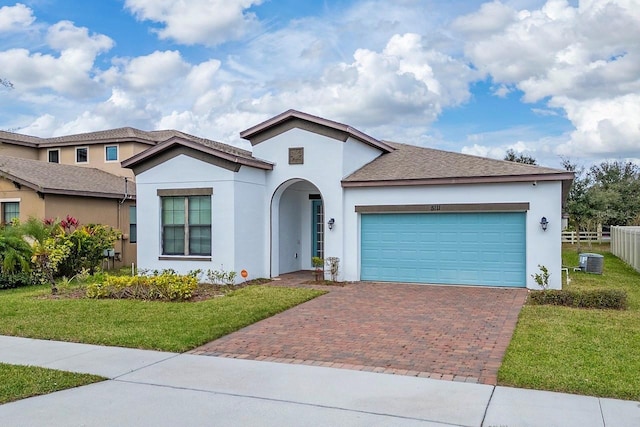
[55, 178]
[293, 118]
[413, 165]
[124, 134]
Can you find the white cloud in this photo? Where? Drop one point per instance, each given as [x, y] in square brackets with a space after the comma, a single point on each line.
[491, 18]
[406, 83]
[208, 22]
[584, 59]
[14, 18]
[605, 127]
[70, 73]
[155, 71]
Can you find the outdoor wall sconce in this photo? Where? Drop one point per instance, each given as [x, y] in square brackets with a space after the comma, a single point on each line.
[330, 223]
[544, 223]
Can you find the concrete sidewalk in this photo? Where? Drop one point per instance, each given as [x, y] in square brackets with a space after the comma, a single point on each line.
[167, 389]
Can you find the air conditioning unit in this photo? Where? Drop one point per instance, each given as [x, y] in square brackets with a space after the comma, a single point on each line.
[591, 263]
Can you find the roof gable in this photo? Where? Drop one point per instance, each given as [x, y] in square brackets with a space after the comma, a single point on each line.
[55, 178]
[296, 119]
[213, 152]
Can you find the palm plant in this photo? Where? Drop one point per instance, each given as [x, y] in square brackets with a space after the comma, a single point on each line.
[15, 252]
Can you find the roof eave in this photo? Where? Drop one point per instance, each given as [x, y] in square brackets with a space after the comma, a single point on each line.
[562, 176]
[139, 158]
[117, 140]
[81, 193]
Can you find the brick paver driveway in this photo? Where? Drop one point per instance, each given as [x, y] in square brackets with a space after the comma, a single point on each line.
[445, 332]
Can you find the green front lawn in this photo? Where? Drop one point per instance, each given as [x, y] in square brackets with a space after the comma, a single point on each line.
[20, 382]
[169, 326]
[593, 352]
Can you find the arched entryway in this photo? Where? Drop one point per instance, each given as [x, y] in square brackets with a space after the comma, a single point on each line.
[297, 226]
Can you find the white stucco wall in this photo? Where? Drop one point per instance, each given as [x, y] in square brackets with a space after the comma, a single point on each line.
[326, 162]
[249, 240]
[543, 247]
[236, 206]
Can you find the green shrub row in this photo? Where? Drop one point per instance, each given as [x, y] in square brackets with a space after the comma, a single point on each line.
[614, 299]
[166, 286]
[16, 280]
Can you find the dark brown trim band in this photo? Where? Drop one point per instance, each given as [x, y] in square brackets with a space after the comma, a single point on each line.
[461, 180]
[440, 208]
[184, 258]
[207, 191]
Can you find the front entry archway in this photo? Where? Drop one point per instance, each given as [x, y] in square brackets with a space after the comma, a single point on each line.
[297, 226]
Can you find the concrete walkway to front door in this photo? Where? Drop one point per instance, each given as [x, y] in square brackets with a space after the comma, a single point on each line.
[442, 332]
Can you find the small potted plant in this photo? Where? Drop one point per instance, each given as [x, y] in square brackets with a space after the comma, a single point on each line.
[318, 267]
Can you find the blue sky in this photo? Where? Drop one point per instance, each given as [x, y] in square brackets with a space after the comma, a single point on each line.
[549, 79]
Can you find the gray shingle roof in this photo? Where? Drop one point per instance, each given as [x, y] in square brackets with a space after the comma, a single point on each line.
[410, 162]
[54, 178]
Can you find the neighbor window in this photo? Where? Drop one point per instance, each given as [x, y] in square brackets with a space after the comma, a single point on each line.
[133, 225]
[186, 225]
[111, 153]
[54, 156]
[10, 210]
[82, 155]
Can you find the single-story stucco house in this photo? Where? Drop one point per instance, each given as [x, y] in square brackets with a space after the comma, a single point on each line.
[315, 187]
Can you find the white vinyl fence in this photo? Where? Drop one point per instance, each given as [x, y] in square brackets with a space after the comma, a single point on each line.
[625, 244]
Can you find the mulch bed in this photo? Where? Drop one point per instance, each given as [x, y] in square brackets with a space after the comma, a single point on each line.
[204, 292]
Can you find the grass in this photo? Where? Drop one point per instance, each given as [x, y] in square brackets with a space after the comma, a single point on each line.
[592, 352]
[20, 382]
[176, 327]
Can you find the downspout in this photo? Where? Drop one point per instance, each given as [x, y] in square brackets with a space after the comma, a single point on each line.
[126, 196]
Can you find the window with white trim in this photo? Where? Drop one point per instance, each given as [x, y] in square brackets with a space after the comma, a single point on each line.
[10, 210]
[82, 155]
[186, 225]
[111, 153]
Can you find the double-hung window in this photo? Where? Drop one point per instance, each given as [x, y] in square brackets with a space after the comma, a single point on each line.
[111, 153]
[53, 156]
[10, 210]
[186, 222]
[82, 155]
[133, 225]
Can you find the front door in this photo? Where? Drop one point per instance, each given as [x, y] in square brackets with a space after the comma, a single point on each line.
[317, 228]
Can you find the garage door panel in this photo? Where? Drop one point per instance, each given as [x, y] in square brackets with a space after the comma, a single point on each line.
[448, 248]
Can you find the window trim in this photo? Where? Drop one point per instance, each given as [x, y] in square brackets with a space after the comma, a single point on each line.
[82, 148]
[52, 150]
[186, 193]
[3, 202]
[117, 147]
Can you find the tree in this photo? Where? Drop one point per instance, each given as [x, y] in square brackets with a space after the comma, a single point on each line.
[512, 156]
[608, 194]
[615, 192]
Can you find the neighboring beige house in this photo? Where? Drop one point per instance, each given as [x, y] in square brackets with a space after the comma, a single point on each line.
[101, 150]
[32, 188]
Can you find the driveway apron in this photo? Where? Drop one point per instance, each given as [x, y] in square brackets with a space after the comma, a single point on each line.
[443, 332]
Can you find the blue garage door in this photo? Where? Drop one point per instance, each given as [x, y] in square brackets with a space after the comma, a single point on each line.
[444, 248]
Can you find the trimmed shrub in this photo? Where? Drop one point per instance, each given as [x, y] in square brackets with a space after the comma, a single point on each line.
[614, 299]
[16, 280]
[166, 286]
